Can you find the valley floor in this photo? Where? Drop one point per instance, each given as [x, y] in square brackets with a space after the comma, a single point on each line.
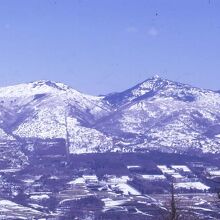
[111, 186]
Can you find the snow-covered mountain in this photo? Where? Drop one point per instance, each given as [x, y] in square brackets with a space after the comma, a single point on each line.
[49, 110]
[157, 114]
[165, 115]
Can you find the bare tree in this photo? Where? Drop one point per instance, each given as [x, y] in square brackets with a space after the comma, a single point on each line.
[174, 213]
[177, 208]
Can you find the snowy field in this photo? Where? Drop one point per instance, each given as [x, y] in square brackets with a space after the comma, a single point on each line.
[191, 185]
[11, 210]
[181, 168]
[154, 177]
[128, 190]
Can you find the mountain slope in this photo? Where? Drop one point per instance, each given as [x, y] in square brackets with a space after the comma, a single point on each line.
[156, 114]
[166, 115]
[48, 110]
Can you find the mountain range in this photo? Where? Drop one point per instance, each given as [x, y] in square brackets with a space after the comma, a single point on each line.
[157, 114]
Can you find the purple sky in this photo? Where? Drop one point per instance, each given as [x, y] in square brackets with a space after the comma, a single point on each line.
[101, 46]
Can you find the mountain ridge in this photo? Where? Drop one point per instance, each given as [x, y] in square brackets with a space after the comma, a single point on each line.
[156, 114]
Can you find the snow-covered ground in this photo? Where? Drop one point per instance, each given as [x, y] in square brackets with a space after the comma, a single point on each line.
[84, 179]
[181, 168]
[11, 210]
[116, 180]
[191, 185]
[40, 197]
[166, 170]
[110, 203]
[154, 177]
[127, 190]
[133, 166]
[79, 180]
[90, 178]
[214, 173]
[177, 176]
[174, 170]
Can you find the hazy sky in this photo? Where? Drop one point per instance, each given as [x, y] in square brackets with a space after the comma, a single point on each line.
[101, 46]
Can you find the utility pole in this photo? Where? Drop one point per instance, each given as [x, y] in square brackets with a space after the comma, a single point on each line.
[67, 134]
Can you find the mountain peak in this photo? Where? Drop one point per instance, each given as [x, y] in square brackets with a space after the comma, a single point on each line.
[41, 81]
[49, 85]
[56, 85]
[157, 82]
[152, 83]
[151, 87]
[33, 88]
[156, 77]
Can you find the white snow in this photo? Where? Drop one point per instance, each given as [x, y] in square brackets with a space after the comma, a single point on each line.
[10, 170]
[9, 208]
[154, 177]
[181, 168]
[93, 140]
[177, 176]
[4, 136]
[192, 185]
[109, 203]
[116, 180]
[133, 166]
[165, 169]
[29, 181]
[79, 180]
[214, 173]
[92, 178]
[127, 190]
[39, 197]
